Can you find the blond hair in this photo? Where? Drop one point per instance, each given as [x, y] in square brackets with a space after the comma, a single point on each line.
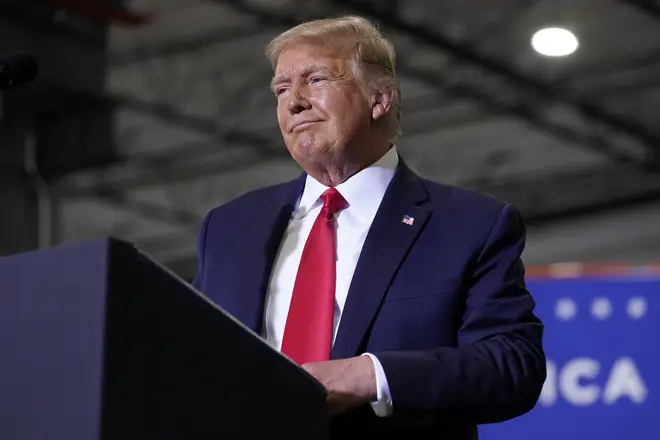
[373, 54]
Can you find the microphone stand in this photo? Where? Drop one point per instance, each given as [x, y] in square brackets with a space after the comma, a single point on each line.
[44, 200]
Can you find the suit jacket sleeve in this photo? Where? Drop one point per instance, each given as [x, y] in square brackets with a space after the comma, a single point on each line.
[498, 367]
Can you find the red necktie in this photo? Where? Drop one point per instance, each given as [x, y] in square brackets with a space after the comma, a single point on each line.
[308, 331]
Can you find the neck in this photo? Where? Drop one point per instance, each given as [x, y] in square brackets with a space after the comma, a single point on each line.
[333, 176]
[333, 172]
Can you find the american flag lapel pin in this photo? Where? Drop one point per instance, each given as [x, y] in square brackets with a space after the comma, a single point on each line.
[408, 220]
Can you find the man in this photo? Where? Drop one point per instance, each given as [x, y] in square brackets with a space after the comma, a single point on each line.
[404, 297]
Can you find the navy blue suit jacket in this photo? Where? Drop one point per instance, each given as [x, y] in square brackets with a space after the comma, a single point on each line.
[441, 303]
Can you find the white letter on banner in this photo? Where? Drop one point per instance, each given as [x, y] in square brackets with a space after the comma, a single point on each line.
[569, 381]
[549, 392]
[625, 380]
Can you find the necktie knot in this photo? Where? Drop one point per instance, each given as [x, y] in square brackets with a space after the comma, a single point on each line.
[333, 201]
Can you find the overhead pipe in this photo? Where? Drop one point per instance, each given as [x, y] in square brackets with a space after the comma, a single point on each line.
[101, 12]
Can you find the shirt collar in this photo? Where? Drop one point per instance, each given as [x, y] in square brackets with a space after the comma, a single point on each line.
[363, 191]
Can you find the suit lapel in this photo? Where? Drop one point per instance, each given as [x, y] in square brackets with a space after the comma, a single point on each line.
[266, 231]
[387, 243]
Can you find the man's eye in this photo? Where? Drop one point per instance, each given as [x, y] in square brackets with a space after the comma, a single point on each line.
[316, 79]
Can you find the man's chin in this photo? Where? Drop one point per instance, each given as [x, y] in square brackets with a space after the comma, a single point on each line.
[311, 150]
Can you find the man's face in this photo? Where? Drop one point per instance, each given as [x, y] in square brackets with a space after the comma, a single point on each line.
[321, 108]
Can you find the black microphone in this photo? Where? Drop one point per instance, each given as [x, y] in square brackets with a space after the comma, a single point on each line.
[16, 69]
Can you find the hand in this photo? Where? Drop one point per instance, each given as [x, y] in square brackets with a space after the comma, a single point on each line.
[351, 382]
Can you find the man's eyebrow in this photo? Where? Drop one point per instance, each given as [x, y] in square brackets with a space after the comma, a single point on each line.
[285, 76]
[279, 79]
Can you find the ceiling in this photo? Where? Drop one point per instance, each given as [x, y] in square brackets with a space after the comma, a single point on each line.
[196, 122]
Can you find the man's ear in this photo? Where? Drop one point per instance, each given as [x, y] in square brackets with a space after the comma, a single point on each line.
[382, 100]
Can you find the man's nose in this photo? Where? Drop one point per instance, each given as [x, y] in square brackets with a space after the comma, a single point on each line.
[298, 103]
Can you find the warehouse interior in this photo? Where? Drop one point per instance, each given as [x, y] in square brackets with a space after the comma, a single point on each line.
[146, 114]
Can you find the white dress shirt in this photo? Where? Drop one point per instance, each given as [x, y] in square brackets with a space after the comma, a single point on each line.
[364, 192]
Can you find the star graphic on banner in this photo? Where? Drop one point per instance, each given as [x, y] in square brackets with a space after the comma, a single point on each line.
[601, 308]
[565, 309]
[637, 307]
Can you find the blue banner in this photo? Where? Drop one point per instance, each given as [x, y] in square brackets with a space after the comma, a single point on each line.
[603, 369]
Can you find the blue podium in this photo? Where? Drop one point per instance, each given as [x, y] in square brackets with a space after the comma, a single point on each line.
[97, 341]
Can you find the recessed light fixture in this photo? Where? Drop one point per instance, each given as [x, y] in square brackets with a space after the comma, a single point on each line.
[555, 42]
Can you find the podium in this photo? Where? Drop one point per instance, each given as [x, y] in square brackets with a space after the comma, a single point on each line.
[97, 341]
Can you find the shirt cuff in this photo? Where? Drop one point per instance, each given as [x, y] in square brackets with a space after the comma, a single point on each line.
[383, 404]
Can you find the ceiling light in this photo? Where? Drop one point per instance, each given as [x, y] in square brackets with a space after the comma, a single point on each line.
[555, 42]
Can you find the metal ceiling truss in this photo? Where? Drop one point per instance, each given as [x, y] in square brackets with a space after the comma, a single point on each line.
[268, 146]
[182, 45]
[649, 7]
[527, 106]
[536, 91]
[596, 71]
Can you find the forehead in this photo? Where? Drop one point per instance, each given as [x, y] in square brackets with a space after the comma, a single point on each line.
[301, 58]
